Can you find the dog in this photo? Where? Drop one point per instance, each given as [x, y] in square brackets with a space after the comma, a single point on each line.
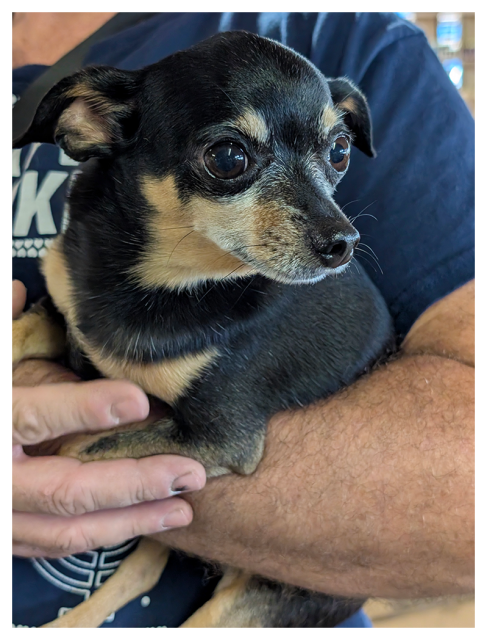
[206, 260]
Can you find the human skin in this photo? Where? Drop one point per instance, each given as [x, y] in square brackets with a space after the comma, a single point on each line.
[32, 34]
[107, 504]
[61, 506]
[370, 492]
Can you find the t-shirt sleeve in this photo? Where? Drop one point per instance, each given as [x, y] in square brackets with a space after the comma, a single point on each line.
[420, 188]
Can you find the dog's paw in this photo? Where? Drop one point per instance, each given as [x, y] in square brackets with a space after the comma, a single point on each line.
[106, 445]
[36, 335]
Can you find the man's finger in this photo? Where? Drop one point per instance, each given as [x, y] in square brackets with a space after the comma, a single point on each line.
[46, 412]
[68, 487]
[19, 295]
[54, 536]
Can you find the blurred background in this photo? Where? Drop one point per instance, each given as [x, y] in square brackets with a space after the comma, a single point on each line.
[452, 37]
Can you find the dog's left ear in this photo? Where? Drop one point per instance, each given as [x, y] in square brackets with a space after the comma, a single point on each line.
[91, 113]
[349, 99]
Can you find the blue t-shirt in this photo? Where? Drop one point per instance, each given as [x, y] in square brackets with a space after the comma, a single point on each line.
[414, 202]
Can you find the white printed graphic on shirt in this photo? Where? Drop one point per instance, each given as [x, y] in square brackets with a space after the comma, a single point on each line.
[63, 610]
[33, 202]
[83, 576]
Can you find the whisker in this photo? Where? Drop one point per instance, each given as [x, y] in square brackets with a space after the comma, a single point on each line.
[233, 270]
[214, 285]
[220, 258]
[370, 249]
[364, 214]
[376, 260]
[223, 91]
[370, 256]
[246, 246]
[177, 245]
[368, 262]
[351, 202]
[354, 264]
[245, 289]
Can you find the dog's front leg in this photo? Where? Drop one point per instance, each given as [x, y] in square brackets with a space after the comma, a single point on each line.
[223, 609]
[137, 574]
[219, 455]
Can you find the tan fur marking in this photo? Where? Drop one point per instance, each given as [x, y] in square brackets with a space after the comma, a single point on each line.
[329, 117]
[34, 335]
[55, 271]
[196, 242]
[214, 612]
[253, 125]
[266, 232]
[96, 100]
[178, 254]
[139, 440]
[89, 119]
[349, 104]
[82, 90]
[166, 380]
[137, 574]
[84, 128]
[75, 445]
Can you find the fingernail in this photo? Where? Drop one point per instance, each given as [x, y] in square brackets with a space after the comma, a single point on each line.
[176, 518]
[186, 482]
[124, 411]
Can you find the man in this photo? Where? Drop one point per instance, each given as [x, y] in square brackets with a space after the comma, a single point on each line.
[367, 493]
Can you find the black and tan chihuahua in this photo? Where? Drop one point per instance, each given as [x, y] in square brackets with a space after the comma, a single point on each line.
[206, 261]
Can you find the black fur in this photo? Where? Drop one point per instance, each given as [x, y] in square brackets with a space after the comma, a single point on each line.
[280, 345]
[290, 607]
[358, 119]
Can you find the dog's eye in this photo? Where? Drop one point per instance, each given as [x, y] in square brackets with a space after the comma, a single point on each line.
[340, 154]
[226, 160]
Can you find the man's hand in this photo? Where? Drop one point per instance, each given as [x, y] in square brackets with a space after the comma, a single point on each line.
[62, 506]
[367, 493]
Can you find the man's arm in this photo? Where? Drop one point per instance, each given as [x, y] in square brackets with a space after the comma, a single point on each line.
[369, 492]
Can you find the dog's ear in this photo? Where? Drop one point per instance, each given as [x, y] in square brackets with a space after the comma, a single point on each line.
[349, 99]
[91, 113]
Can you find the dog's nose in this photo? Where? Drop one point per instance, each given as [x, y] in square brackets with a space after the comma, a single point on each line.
[338, 251]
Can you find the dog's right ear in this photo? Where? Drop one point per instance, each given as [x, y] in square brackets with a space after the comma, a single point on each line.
[89, 114]
[351, 101]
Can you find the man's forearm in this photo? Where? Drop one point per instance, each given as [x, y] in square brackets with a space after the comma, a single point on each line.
[367, 493]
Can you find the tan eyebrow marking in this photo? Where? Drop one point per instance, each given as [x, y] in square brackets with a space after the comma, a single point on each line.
[253, 124]
[330, 117]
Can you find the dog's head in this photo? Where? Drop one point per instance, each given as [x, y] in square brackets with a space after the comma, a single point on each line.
[236, 146]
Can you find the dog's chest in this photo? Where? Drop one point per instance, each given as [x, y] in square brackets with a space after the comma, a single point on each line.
[168, 379]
